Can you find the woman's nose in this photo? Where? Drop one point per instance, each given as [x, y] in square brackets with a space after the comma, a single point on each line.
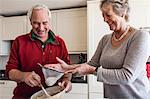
[105, 18]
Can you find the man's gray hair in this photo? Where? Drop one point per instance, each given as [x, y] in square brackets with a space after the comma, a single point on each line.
[39, 6]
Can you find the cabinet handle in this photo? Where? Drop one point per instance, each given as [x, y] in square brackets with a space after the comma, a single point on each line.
[2, 83]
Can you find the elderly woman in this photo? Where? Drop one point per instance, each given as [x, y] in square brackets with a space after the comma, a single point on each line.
[120, 59]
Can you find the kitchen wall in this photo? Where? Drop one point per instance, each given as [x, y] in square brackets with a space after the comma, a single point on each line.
[148, 59]
[78, 58]
[3, 61]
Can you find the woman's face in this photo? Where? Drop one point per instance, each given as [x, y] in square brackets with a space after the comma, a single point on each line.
[112, 19]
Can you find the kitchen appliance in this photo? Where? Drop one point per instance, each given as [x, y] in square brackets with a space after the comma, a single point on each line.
[79, 59]
[2, 75]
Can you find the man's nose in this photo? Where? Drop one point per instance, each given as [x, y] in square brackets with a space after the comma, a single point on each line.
[41, 26]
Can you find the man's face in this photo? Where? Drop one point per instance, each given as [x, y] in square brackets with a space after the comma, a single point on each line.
[40, 22]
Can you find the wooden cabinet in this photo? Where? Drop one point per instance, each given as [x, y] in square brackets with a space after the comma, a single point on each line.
[79, 91]
[4, 45]
[6, 89]
[13, 27]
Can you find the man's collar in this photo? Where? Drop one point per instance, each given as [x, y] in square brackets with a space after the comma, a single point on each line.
[51, 38]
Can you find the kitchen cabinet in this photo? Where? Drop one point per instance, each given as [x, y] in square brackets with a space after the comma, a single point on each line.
[95, 88]
[6, 89]
[95, 96]
[72, 27]
[54, 22]
[79, 91]
[4, 45]
[13, 27]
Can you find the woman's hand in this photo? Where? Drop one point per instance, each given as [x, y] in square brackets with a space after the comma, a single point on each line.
[65, 83]
[61, 66]
[81, 69]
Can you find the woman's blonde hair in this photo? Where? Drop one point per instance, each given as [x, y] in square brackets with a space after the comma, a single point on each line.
[39, 6]
[120, 7]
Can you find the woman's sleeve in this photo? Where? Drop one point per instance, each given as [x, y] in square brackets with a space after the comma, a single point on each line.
[96, 57]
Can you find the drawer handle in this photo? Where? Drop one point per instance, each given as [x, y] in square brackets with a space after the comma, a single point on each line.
[2, 83]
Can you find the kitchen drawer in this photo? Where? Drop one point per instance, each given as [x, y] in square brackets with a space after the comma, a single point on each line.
[79, 91]
[79, 88]
[6, 89]
[7, 84]
[5, 97]
[75, 96]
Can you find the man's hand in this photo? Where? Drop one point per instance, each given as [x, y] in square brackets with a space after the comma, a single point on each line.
[65, 83]
[31, 78]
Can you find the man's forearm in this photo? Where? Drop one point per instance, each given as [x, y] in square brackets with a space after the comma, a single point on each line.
[16, 75]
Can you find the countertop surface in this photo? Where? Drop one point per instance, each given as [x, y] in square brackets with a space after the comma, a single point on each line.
[75, 79]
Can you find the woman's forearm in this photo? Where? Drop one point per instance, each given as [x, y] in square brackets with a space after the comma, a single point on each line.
[85, 69]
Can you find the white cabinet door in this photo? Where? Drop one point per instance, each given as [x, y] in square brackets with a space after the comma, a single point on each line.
[4, 45]
[71, 26]
[53, 22]
[75, 96]
[28, 25]
[95, 96]
[6, 89]
[79, 91]
[13, 27]
[94, 85]
[97, 28]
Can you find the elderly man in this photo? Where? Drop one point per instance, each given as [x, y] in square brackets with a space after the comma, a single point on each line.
[39, 46]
